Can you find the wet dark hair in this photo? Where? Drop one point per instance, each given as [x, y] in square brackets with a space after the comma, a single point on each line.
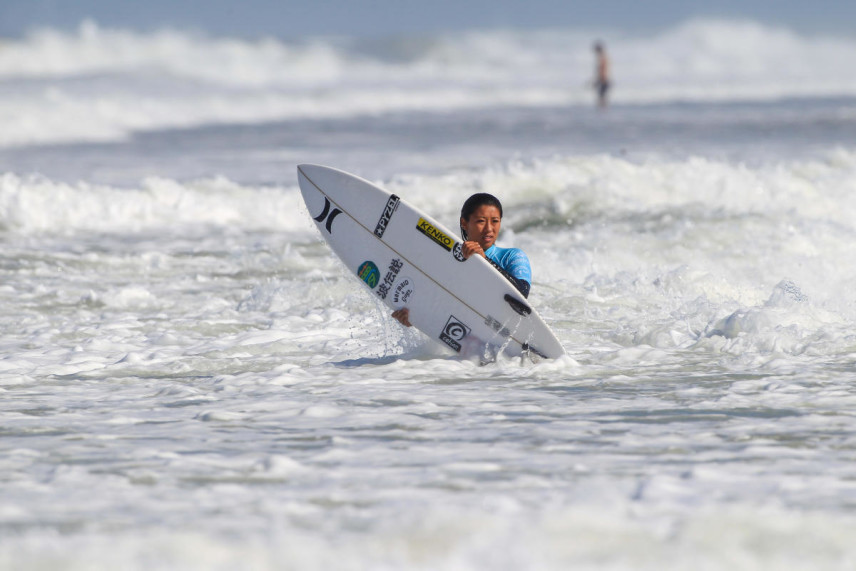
[473, 202]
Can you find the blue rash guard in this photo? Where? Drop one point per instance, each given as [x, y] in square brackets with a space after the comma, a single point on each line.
[514, 265]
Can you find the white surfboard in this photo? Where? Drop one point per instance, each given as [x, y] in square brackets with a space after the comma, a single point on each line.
[405, 258]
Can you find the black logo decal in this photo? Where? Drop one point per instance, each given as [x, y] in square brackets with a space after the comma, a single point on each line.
[388, 211]
[389, 279]
[453, 332]
[497, 326]
[326, 213]
[458, 252]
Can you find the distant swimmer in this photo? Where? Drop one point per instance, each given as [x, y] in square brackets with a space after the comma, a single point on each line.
[601, 78]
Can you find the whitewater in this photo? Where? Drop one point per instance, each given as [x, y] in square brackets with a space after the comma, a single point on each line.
[189, 379]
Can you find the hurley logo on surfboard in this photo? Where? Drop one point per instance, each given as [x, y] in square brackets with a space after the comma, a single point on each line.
[327, 214]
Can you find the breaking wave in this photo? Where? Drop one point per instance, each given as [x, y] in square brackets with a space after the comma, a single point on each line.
[99, 84]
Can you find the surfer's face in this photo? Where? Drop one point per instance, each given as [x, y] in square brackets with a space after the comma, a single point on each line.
[483, 225]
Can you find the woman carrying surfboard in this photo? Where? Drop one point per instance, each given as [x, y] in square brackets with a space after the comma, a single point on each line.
[406, 259]
[481, 219]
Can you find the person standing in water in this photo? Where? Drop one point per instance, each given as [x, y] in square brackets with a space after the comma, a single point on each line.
[601, 78]
[481, 218]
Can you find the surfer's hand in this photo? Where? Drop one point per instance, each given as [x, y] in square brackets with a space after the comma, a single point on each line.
[471, 247]
[402, 316]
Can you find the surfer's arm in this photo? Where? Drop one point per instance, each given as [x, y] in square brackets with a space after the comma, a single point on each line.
[522, 285]
[402, 316]
[519, 264]
[519, 271]
[471, 247]
[513, 264]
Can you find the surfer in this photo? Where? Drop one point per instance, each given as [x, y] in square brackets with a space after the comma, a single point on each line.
[481, 218]
[601, 80]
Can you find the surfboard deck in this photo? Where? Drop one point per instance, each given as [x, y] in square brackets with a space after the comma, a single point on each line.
[407, 259]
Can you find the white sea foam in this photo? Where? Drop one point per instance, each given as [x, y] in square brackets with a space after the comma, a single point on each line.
[607, 231]
[103, 84]
[36, 204]
[481, 539]
[189, 347]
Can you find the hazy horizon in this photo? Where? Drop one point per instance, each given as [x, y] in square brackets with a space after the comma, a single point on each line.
[396, 17]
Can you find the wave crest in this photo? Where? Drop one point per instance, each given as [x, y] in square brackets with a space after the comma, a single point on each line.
[96, 84]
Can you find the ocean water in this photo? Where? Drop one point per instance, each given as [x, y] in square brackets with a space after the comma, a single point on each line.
[190, 380]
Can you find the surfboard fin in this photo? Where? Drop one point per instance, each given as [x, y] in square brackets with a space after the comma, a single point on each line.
[518, 306]
[531, 349]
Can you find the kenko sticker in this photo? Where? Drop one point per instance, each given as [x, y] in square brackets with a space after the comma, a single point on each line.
[436, 235]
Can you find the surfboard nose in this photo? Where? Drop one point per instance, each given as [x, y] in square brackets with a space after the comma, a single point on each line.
[318, 176]
[309, 176]
[309, 170]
